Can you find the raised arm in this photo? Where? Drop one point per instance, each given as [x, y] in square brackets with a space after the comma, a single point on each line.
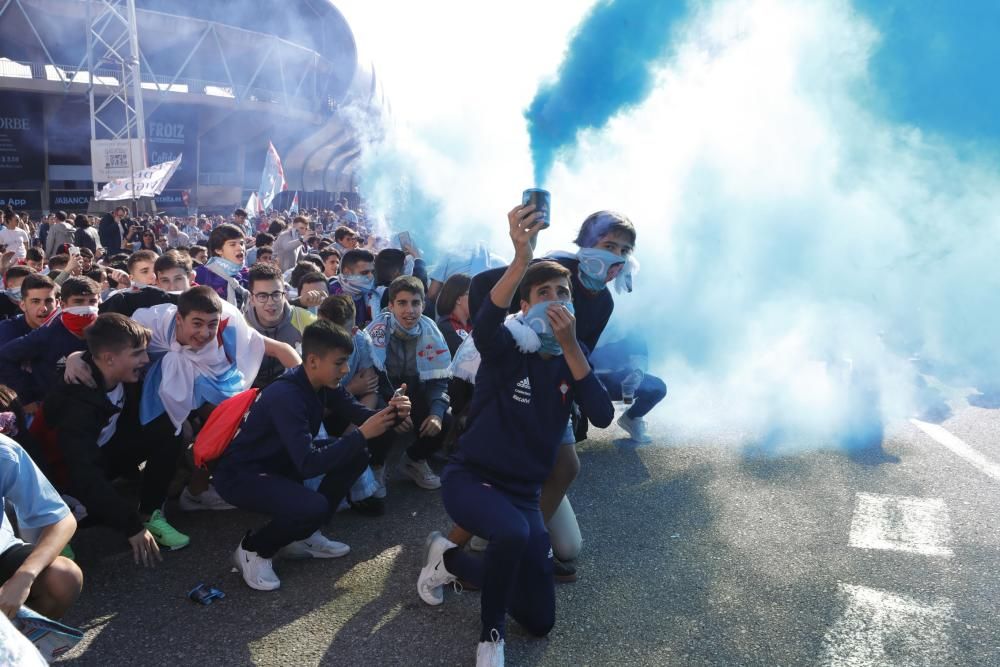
[523, 228]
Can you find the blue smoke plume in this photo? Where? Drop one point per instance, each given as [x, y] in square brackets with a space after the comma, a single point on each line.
[811, 213]
[607, 68]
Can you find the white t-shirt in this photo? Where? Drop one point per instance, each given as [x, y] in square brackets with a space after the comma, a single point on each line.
[16, 240]
[117, 398]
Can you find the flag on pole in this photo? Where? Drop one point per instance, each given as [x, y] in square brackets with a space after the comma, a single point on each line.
[253, 207]
[272, 181]
[294, 208]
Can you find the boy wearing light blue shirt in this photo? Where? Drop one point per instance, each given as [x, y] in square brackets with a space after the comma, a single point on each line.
[34, 574]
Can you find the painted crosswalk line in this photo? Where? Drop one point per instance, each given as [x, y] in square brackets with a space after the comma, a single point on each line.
[901, 523]
[881, 628]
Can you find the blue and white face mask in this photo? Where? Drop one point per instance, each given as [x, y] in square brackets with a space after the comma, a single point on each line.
[13, 294]
[537, 320]
[357, 284]
[595, 265]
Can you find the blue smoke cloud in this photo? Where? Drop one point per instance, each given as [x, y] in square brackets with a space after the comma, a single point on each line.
[811, 216]
[607, 69]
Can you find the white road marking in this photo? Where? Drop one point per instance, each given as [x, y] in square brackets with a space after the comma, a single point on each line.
[960, 448]
[901, 523]
[880, 628]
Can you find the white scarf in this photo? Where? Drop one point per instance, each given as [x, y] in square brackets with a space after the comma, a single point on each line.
[466, 363]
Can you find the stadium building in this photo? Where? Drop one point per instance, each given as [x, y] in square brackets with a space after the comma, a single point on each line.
[220, 80]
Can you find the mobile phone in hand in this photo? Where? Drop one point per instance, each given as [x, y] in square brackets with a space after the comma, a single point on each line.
[405, 240]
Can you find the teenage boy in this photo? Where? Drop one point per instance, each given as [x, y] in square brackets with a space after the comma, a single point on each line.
[34, 574]
[35, 259]
[262, 240]
[346, 239]
[272, 316]
[141, 268]
[292, 242]
[99, 439]
[45, 348]
[528, 382]
[173, 275]
[362, 379]
[38, 300]
[607, 241]
[357, 279]
[408, 348]
[224, 271]
[203, 352]
[331, 262]
[312, 289]
[10, 301]
[264, 467]
[390, 263]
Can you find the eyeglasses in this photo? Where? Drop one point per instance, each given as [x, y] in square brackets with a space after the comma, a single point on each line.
[264, 297]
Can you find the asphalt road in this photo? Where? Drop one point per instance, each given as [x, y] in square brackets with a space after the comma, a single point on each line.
[696, 553]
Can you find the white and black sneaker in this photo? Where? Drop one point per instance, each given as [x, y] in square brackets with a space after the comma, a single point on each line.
[420, 473]
[258, 572]
[636, 428]
[316, 545]
[490, 653]
[434, 575]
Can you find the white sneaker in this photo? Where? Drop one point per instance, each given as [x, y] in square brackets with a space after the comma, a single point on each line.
[316, 545]
[209, 499]
[434, 575]
[257, 572]
[419, 472]
[478, 543]
[379, 481]
[636, 428]
[490, 654]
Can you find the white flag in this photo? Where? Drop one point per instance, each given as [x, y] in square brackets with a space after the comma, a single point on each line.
[148, 183]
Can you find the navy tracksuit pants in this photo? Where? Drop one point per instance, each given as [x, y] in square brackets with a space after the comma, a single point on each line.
[296, 511]
[515, 576]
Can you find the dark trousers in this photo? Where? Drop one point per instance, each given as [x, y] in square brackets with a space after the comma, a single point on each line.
[296, 512]
[516, 573]
[132, 444]
[422, 447]
[651, 391]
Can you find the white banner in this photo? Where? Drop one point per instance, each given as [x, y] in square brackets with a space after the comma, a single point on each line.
[148, 183]
[111, 158]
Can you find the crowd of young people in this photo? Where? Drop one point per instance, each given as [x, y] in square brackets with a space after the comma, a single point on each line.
[112, 357]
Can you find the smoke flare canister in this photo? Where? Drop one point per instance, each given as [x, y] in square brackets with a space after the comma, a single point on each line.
[540, 199]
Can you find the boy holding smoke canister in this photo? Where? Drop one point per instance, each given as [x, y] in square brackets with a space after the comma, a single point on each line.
[607, 241]
[528, 382]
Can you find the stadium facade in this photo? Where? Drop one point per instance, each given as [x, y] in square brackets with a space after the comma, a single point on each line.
[219, 80]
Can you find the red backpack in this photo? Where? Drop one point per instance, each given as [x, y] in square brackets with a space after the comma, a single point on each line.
[223, 426]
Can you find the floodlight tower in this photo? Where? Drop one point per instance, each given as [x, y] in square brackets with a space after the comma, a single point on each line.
[113, 46]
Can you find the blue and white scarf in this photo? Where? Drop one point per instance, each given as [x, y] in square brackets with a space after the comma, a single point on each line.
[465, 366]
[433, 357]
[181, 379]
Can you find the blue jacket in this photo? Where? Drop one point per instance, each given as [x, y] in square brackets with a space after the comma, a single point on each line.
[279, 433]
[13, 328]
[520, 409]
[45, 350]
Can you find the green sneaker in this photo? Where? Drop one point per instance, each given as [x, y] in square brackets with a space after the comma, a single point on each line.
[67, 552]
[166, 535]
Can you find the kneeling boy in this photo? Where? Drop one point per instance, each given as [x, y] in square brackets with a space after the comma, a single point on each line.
[527, 383]
[263, 468]
[100, 439]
